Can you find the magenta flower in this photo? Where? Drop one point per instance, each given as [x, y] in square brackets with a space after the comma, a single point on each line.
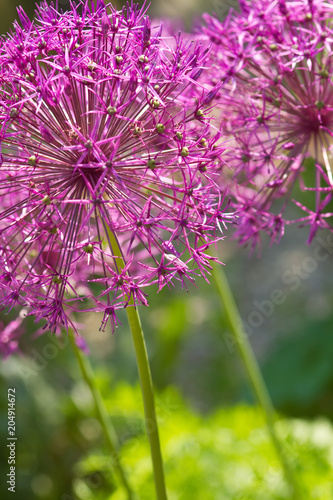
[9, 337]
[275, 59]
[109, 157]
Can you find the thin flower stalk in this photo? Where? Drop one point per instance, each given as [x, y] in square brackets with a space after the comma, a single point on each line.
[111, 439]
[255, 376]
[146, 382]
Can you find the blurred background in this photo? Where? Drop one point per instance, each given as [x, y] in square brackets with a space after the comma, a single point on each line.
[213, 436]
[185, 10]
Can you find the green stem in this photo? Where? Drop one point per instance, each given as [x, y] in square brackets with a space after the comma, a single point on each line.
[144, 374]
[148, 400]
[254, 373]
[111, 439]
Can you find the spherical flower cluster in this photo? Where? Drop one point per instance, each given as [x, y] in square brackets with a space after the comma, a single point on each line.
[109, 158]
[275, 59]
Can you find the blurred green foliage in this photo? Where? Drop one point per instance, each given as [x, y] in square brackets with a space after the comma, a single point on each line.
[215, 447]
[300, 371]
[215, 444]
[224, 455]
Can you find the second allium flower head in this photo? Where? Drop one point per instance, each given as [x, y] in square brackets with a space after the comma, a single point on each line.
[108, 159]
[275, 58]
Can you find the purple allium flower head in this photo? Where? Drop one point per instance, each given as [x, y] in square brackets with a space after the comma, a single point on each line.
[275, 59]
[109, 158]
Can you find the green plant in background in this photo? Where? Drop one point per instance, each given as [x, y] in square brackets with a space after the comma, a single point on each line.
[110, 435]
[255, 376]
[224, 455]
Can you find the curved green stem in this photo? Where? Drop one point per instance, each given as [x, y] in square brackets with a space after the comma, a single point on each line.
[255, 376]
[144, 374]
[111, 439]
